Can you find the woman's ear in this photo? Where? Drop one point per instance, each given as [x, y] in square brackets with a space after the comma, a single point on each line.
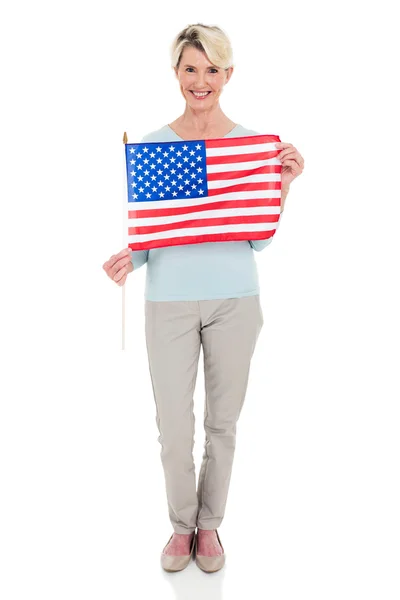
[228, 74]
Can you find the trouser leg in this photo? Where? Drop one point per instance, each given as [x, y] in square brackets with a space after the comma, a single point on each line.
[173, 348]
[229, 332]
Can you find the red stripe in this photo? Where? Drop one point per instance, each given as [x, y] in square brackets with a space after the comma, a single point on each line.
[234, 158]
[246, 187]
[242, 141]
[197, 239]
[245, 173]
[213, 222]
[181, 210]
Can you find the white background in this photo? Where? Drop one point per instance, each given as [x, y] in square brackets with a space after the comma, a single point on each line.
[313, 503]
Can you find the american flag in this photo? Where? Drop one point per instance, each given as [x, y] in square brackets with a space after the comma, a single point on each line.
[188, 192]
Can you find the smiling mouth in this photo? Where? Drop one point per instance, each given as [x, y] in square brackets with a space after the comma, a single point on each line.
[198, 95]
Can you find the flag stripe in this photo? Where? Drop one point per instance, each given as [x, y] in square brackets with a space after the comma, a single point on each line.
[206, 222]
[217, 172]
[234, 228]
[246, 158]
[273, 195]
[270, 213]
[219, 183]
[247, 187]
[196, 239]
[272, 204]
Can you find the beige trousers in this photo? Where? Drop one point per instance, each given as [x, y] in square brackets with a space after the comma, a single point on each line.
[228, 330]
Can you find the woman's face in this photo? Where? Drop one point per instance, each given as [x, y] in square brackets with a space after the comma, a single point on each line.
[196, 74]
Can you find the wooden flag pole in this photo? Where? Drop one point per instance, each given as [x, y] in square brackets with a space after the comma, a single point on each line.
[124, 234]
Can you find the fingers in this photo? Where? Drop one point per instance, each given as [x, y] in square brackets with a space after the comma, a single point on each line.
[117, 266]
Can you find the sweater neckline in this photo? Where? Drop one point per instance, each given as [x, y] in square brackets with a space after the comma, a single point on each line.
[182, 140]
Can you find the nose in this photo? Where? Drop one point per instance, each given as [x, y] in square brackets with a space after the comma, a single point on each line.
[200, 80]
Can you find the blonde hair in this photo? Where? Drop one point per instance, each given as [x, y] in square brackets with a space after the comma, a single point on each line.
[209, 39]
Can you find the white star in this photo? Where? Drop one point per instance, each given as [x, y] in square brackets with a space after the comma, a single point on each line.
[192, 164]
[159, 160]
[139, 166]
[161, 194]
[140, 178]
[199, 181]
[174, 193]
[179, 165]
[132, 150]
[193, 187]
[172, 148]
[167, 188]
[160, 183]
[154, 189]
[199, 169]
[187, 193]
[185, 158]
[201, 192]
[139, 156]
[145, 149]
[185, 147]
[158, 149]
[179, 153]
[152, 154]
[141, 189]
[135, 196]
[186, 170]
[187, 181]
[199, 158]
[165, 153]
[198, 147]
[192, 152]
[192, 175]
[148, 195]
[180, 187]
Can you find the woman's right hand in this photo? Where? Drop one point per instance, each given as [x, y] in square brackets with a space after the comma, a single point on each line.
[118, 266]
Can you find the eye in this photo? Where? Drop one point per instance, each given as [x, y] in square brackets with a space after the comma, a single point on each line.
[211, 69]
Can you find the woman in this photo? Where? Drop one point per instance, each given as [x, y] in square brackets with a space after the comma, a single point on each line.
[200, 294]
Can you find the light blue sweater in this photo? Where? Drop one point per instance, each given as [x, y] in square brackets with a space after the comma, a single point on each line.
[201, 271]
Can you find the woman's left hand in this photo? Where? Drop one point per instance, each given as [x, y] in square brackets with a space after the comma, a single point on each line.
[292, 163]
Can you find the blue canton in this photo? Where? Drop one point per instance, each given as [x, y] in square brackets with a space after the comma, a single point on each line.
[166, 171]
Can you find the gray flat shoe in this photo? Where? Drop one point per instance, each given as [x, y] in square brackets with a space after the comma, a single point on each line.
[210, 564]
[172, 563]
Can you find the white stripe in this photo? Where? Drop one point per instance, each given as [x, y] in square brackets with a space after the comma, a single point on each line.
[247, 149]
[242, 166]
[191, 231]
[205, 214]
[218, 183]
[156, 204]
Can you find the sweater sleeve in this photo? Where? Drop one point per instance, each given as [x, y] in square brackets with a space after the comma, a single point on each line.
[259, 245]
[139, 257]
